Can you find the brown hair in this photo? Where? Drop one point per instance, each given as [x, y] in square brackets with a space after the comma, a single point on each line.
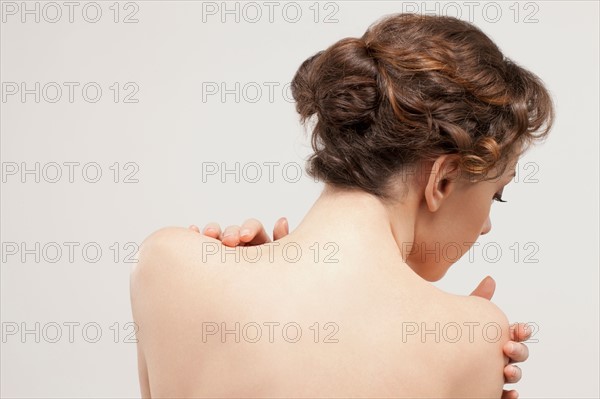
[411, 88]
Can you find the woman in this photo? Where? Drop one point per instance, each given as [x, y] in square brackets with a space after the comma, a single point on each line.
[418, 127]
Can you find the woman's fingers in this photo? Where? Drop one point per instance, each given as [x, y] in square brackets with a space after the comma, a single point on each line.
[516, 351]
[195, 228]
[281, 229]
[512, 394]
[253, 232]
[212, 230]
[512, 374]
[485, 289]
[520, 332]
[231, 236]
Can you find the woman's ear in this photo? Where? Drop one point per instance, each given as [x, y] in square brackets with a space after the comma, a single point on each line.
[441, 181]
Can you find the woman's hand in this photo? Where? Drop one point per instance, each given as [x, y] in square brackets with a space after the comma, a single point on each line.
[252, 232]
[514, 349]
[516, 352]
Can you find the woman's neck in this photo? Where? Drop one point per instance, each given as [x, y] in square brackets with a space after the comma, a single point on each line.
[350, 216]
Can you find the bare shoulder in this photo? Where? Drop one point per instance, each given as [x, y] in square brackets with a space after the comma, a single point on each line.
[486, 308]
[171, 279]
[471, 308]
[170, 265]
[172, 240]
[170, 248]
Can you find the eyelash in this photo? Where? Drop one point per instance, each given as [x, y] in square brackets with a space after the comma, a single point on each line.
[498, 197]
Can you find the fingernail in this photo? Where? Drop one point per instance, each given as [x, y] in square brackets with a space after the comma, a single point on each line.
[227, 234]
[526, 329]
[513, 348]
[209, 229]
[244, 232]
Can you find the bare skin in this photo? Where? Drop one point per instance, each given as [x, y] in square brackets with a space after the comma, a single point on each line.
[252, 232]
[371, 296]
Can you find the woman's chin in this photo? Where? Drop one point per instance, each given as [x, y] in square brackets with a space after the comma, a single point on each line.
[431, 273]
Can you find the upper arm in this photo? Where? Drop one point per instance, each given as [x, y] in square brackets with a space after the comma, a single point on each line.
[146, 260]
[481, 374]
[143, 374]
[157, 292]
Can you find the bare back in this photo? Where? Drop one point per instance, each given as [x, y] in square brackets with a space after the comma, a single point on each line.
[310, 321]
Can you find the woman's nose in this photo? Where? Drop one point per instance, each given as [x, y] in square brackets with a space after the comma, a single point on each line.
[487, 226]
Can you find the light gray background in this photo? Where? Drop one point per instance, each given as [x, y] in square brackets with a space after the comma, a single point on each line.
[170, 133]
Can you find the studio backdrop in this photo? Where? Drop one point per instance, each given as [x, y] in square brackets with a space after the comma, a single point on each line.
[118, 118]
